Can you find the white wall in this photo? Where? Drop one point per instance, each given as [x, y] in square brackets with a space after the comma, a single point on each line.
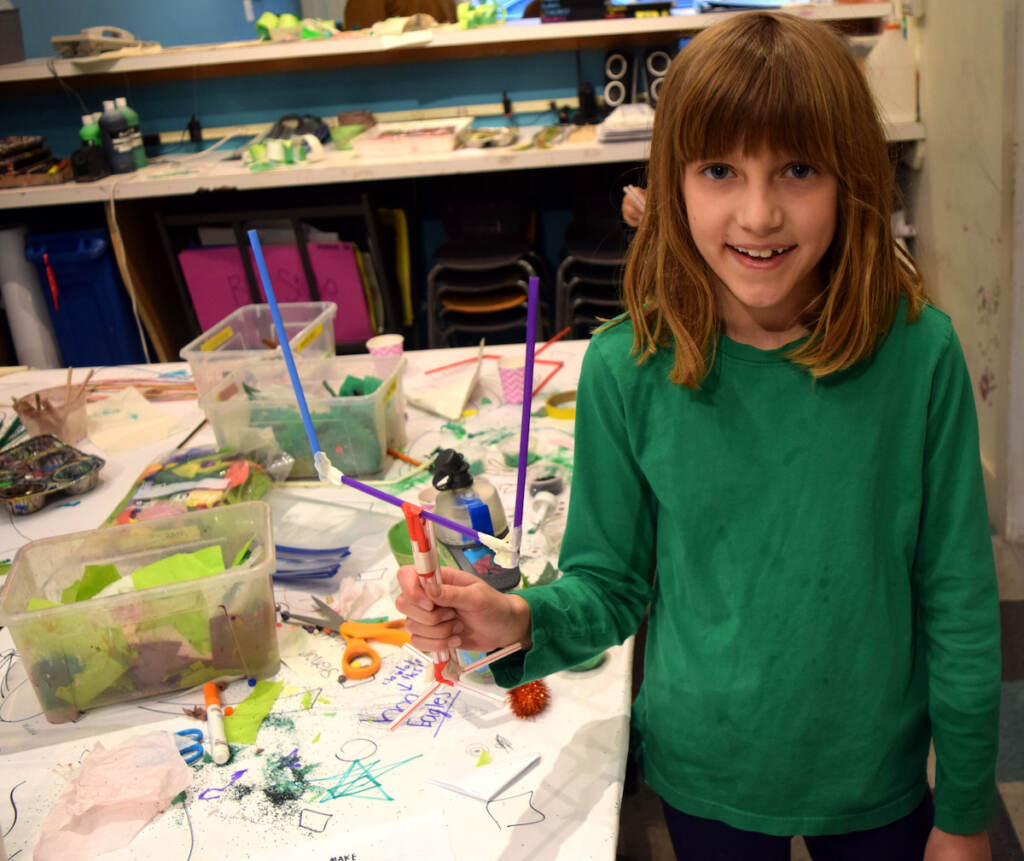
[964, 207]
[1014, 528]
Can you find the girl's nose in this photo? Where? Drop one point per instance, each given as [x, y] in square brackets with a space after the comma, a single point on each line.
[759, 210]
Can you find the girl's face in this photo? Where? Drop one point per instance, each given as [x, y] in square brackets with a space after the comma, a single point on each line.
[762, 223]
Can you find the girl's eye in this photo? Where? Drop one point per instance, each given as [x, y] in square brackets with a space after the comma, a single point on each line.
[799, 171]
[717, 171]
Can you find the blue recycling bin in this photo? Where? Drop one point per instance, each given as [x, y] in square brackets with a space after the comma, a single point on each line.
[92, 315]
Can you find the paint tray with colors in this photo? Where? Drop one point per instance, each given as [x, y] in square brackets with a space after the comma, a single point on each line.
[42, 467]
[126, 612]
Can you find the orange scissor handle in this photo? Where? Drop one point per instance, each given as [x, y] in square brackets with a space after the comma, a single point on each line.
[357, 650]
[392, 631]
[353, 663]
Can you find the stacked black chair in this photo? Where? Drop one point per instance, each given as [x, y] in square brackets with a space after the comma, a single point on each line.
[477, 286]
[588, 286]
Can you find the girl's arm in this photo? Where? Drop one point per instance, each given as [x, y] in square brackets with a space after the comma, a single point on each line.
[958, 604]
[608, 548]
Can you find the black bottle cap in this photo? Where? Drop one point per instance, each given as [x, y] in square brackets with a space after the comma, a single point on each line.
[451, 472]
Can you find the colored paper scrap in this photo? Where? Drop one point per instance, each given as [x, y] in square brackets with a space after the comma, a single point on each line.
[243, 725]
[112, 797]
[91, 583]
[180, 567]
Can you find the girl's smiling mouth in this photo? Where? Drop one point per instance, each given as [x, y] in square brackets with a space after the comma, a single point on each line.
[760, 253]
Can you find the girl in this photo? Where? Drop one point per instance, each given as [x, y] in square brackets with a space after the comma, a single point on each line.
[777, 454]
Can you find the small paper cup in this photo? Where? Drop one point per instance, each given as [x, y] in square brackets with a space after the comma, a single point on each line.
[512, 373]
[385, 345]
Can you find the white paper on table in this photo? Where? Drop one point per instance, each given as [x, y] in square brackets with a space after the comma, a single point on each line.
[424, 838]
[487, 782]
[126, 421]
[445, 393]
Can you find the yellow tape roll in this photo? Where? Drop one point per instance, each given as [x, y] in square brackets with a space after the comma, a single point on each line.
[553, 405]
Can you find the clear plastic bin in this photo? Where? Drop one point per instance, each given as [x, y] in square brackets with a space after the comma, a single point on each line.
[254, 411]
[114, 648]
[248, 334]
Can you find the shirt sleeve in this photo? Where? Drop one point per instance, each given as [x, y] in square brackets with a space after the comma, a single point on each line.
[958, 603]
[608, 548]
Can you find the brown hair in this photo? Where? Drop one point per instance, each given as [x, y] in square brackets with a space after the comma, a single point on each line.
[768, 79]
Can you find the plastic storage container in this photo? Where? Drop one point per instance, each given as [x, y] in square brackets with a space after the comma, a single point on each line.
[254, 409]
[122, 647]
[244, 335]
[91, 315]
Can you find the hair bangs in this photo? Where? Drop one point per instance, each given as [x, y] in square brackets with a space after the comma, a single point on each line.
[754, 92]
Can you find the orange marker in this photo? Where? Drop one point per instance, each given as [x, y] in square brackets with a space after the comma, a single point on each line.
[221, 753]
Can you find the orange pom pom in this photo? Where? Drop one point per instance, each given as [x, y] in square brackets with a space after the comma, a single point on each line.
[529, 700]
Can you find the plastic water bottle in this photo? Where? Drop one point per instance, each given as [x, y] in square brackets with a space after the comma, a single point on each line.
[472, 502]
[132, 118]
[117, 139]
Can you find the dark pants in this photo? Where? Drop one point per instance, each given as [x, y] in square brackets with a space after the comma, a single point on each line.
[696, 839]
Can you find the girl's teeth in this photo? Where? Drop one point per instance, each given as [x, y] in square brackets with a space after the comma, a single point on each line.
[761, 254]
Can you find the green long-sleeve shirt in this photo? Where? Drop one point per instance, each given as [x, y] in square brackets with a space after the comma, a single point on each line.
[818, 565]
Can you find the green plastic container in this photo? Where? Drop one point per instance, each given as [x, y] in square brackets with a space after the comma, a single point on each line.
[401, 547]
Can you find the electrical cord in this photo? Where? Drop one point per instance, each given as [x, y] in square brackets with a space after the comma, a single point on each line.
[68, 90]
[117, 242]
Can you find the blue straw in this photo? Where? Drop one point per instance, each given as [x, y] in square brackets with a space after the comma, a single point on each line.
[282, 339]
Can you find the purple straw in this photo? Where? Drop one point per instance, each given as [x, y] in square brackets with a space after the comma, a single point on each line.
[524, 428]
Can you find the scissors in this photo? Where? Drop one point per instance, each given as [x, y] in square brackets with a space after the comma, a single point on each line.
[360, 660]
[189, 752]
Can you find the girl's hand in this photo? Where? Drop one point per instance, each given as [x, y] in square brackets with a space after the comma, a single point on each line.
[463, 613]
[943, 846]
[633, 212]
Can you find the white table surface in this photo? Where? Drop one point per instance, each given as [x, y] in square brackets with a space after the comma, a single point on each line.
[567, 807]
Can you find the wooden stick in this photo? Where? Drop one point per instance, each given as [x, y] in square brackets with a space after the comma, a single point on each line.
[67, 388]
[396, 453]
[81, 388]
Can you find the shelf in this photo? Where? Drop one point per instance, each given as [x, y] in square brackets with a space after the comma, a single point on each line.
[446, 42]
[187, 176]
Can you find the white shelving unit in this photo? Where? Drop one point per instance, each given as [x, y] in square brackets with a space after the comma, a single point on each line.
[512, 37]
[188, 176]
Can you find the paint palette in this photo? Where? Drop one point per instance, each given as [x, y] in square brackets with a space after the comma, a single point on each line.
[41, 467]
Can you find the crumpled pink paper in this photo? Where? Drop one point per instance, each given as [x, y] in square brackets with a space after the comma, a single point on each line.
[112, 798]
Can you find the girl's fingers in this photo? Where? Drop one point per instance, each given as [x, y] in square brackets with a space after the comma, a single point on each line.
[439, 629]
[435, 644]
[414, 611]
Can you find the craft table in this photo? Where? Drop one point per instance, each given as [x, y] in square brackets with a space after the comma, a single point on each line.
[325, 777]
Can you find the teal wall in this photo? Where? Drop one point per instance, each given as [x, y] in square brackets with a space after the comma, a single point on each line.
[250, 99]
